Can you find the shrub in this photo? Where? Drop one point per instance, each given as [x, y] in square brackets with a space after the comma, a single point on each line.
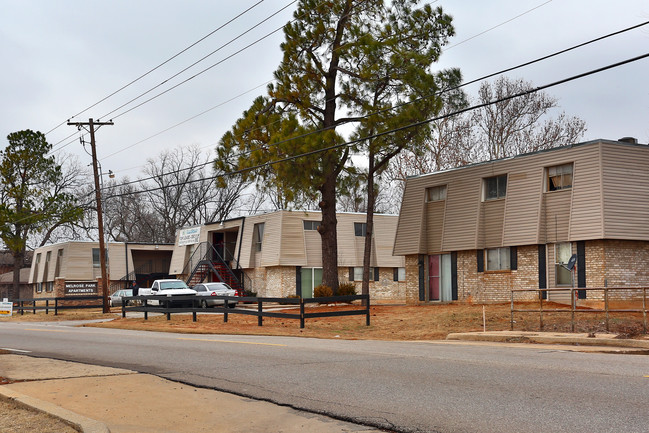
[346, 289]
[322, 291]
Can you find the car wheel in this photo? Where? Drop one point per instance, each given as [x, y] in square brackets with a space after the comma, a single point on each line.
[203, 304]
[232, 305]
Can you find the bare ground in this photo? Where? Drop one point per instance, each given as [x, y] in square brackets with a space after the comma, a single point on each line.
[388, 322]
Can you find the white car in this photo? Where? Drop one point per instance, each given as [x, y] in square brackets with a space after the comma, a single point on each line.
[208, 291]
[170, 288]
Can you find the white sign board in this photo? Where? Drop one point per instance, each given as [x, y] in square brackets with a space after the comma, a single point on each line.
[189, 236]
[6, 308]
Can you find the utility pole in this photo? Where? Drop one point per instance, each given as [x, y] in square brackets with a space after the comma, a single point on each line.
[90, 127]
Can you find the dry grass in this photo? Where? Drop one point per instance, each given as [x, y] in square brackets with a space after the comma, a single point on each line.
[402, 322]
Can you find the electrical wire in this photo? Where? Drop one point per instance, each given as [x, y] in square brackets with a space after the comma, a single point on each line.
[485, 77]
[402, 128]
[160, 65]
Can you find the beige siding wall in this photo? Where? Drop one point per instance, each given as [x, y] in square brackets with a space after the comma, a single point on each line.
[435, 226]
[293, 241]
[313, 247]
[411, 225]
[625, 180]
[556, 218]
[610, 189]
[490, 225]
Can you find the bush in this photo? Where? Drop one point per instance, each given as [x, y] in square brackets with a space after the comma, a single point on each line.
[346, 289]
[322, 291]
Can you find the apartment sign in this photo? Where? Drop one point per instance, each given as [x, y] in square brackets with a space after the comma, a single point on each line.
[189, 236]
[80, 288]
[6, 308]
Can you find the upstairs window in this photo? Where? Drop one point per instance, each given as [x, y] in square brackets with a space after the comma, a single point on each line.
[495, 187]
[259, 235]
[311, 225]
[436, 193]
[360, 229]
[560, 177]
[96, 263]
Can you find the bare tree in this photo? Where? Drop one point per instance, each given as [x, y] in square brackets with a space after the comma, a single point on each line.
[515, 125]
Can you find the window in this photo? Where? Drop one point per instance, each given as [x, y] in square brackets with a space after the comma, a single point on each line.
[310, 278]
[436, 193]
[562, 254]
[356, 274]
[39, 287]
[49, 286]
[48, 256]
[360, 229]
[559, 177]
[95, 257]
[498, 259]
[311, 225]
[399, 274]
[495, 187]
[259, 235]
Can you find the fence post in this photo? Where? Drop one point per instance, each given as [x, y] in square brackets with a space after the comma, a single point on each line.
[573, 303]
[541, 309]
[606, 305]
[34, 306]
[367, 316]
[301, 312]
[56, 306]
[511, 311]
[146, 309]
[260, 319]
[194, 310]
[22, 307]
[123, 309]
[644, 309]
[47, 305]
[225, 313]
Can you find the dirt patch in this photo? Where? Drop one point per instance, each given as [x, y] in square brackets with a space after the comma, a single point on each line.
[394, 322]
[19, 419]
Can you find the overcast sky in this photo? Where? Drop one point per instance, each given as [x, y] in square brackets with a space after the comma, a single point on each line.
[61, 57]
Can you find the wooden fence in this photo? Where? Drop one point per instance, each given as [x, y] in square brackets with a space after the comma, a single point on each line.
[572, 308]
[167, 309]
[56, 304]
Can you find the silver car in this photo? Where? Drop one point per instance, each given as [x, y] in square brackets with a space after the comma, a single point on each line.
[116, 298]
[209, 291]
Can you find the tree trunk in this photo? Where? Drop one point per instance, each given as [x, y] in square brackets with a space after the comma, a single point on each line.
[367, 252]
[328, 230]
[19, 258]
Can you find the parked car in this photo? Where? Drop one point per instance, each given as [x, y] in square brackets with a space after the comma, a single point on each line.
[169, 288]
[208, 291]
[116, 298]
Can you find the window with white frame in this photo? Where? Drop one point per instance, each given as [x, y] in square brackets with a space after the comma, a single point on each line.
[436, 193]
[559, 177]
[311, 225]
[498, 259]
[562, 254]
[399, 274]
[96, 261]
[358, 274]
[495, 187]
[259, 235]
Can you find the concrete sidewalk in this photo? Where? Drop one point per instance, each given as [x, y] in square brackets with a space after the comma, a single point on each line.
[599, 341]
[103, 400]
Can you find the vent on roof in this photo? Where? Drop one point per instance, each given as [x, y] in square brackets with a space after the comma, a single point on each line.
[631, 140]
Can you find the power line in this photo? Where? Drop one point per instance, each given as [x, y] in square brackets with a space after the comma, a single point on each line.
[420, 98]
[197, 62]
[402, 128]
[160, 65]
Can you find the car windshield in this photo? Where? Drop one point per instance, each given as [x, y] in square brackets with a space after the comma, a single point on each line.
[166, 285]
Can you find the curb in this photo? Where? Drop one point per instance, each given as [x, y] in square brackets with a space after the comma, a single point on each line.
[85, 425]
[534, 337]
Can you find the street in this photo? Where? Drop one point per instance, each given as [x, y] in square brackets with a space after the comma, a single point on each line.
[400, 386]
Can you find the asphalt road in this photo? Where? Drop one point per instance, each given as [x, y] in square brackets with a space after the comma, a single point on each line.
[400, 386]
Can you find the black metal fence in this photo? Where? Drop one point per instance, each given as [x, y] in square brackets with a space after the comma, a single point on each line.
[573, 309]
[56, 304]
[168, 306]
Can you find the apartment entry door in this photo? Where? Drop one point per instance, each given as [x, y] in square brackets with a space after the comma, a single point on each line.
[439, 278]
